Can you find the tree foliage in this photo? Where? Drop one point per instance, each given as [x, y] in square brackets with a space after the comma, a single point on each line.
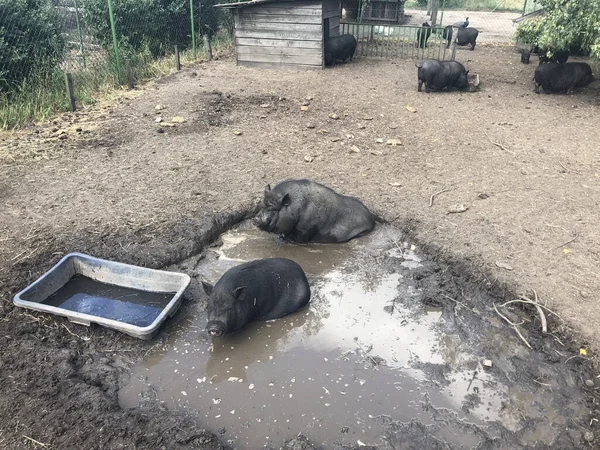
[157, 25]
[565, 24]
[31, 43]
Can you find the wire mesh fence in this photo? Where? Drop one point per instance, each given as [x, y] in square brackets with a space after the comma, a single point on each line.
[100, 43]
[492, 18]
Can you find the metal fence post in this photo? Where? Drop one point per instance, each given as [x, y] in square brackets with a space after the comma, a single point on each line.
[524, 7]
[442, 15]
[79, 32]
[193, 31]
[114, 36]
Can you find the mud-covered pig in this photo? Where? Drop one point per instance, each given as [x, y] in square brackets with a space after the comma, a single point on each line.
[264, 289]
[438, 75]
[305, 211]
[556, 77]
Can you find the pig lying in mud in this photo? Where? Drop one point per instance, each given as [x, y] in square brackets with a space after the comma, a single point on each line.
[555, 77]
[264, 289]
[305, 211]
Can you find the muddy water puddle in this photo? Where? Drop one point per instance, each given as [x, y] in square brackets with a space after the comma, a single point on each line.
[367, 350]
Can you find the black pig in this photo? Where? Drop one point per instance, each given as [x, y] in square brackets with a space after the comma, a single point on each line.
[264, 289]
[305, 211]
[548, 55]
[423, 35]
[465, 36]
[340, 47]
[525, 55]
[438, 75]
[555, 77]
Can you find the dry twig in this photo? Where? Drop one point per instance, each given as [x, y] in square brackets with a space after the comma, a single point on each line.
[35, 442]
[514, 326]
[437, 193]
[499, 145]
[564, 243]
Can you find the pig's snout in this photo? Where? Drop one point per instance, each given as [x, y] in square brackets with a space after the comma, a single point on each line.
[215, 328]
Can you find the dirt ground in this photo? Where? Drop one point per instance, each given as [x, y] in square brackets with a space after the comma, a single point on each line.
[111, 181]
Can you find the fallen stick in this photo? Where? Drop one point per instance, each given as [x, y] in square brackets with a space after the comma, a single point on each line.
[564, 243]
[437, 193]
[499, 145]
[35, 442]
[514, 326]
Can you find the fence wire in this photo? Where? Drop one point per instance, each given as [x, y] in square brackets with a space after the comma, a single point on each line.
[101, 43]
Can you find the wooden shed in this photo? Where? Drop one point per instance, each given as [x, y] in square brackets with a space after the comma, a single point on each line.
[284, 33]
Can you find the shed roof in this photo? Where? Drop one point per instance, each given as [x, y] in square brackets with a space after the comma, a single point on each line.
[249, 3]
[531, 15]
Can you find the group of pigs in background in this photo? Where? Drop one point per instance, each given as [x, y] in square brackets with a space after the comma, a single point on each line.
[300, 211]
[553, 75]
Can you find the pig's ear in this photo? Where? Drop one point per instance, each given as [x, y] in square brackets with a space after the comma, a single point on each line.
[239, 293]
[208, 288]
[268, 188]
[286, 200]
[467, 72]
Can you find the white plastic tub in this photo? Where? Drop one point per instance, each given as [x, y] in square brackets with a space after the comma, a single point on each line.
[118, 275]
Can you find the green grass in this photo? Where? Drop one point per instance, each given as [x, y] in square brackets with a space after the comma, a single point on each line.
[41, 96]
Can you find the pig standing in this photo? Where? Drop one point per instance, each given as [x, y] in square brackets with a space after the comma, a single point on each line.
[423, 35]
[264, 289]
[465, 36]
[438, 75]
[555, 77]
[305, 211]
[340, 47]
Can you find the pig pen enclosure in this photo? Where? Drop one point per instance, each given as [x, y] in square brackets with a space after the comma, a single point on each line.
[406, 343]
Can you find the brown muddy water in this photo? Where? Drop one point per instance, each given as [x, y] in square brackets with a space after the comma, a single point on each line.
[368, 350]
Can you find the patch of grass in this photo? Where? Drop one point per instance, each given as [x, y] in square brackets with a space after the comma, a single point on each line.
[41, 96]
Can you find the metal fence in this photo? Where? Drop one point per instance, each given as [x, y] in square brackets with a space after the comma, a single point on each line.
[398, 41]
[100, 43]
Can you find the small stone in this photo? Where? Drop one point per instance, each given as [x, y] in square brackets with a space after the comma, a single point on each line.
[361, 126]
[177, 119]
[588, 436]
[394, 142]
[487, 363]
[310, 125]
[354, 149]
[457, 209]
[395, 184]
[308, 99]
[335, 139]
[584, 294]
[589, 383]
[483, 196]
[159, 107]
[334, 116]
[411, 109]
[379, 141]
[308, 158]
[304, 108]
[262, 117]
[158, 119]
[305, 103]
[376, 152]
[265, 105]
[167, 124]
[264, 151]
[323, 131]
[237, 133]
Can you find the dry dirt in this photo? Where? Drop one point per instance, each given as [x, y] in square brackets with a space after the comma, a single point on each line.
[526, 168]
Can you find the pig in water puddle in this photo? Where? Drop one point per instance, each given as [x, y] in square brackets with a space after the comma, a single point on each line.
[366, 350]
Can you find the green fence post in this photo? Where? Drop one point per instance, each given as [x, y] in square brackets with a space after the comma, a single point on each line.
[442, 15]
[114, 36]
[193, 31]
[79, 32]
[524, 7]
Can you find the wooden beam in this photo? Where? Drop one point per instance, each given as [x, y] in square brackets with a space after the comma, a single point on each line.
[270, 65]
[278, 43]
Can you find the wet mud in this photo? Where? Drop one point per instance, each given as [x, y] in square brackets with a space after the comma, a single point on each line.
[388, 353]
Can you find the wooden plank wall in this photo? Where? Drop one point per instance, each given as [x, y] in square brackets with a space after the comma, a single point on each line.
[331, 11]
[283, 34]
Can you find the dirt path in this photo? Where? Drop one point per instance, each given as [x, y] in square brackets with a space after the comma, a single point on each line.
[525, 166]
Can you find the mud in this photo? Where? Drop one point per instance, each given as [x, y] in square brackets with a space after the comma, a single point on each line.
[388, 354]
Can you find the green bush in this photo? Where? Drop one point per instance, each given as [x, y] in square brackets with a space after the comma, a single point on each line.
[31, 42]
[157, 25]
[573, 24]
